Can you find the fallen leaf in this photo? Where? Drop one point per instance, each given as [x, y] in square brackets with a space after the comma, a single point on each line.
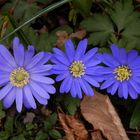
[73, 128]
[79, 34]
[99, 111]
[96, 135]
[29, 117]
[62, 37]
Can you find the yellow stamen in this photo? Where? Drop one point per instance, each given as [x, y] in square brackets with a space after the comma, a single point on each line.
[19, 77]
[77, 69]
[122, 73]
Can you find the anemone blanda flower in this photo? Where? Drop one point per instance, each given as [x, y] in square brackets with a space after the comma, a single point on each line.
[76, 68]
[122, 72]
[22, 77]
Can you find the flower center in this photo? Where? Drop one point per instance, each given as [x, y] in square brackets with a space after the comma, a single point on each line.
[19, 77]
[77, 69]
[122, 73]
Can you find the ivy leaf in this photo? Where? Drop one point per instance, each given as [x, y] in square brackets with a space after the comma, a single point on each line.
[101, 28]
[135, 118]
[19, 137]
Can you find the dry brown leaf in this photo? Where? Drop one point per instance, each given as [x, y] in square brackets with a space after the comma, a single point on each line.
[79, 34]
[96, 135]
[62, 37]
[73, 128]
[99, 111]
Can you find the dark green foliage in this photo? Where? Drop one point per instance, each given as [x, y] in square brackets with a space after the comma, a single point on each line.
[135, 119]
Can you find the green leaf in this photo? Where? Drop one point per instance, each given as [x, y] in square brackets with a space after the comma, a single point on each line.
[135, 118]
[9, 124]
[4, 135]
[71, 104]
[83, 6]
[29, 126]
[41, 136]
[41, 12]
[55, 134]
[101, 28]
[48, 124]
[122, 13]
[2, 113]
[19, 137]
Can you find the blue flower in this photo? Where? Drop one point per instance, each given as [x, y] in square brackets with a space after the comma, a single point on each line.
[22, 77]
[76, 68]
[122, 72]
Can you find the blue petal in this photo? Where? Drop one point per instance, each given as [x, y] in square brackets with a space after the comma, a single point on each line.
[105, 70]
[92, 62]
[7, 56]
[60, 67]
[89, 55]
[19, 54]
[9, 99]
[115, 51]
[78, 88]
[35, 60]
[62, 76]
[73, 90]
[108, 83]
[132, 92]
[120, 91]
[58, 71]
[69, 48]
[19, 99]
[47, 56]
[5, 90]
[115, 87]
[28, 55]
[69, 83]
[16, 42]
[39, 98]
[81, 48]
[109, 60]
[125, 89]
[64, 84]
[49, 88]
[40, 91]
[93, 70]
[40, 69]
[60, 56]
[123, 56]
[135, 85]
[135, 64]
[86, 87]
[90, 80]
[62, 59]
[132, 55]
[4, 78]
[25, 102]
[42, 79]
[29, 96]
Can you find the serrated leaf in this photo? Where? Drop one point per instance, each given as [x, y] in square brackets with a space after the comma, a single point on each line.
[101, 28]
[121, 13]
[55, 134]
[135, 118]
